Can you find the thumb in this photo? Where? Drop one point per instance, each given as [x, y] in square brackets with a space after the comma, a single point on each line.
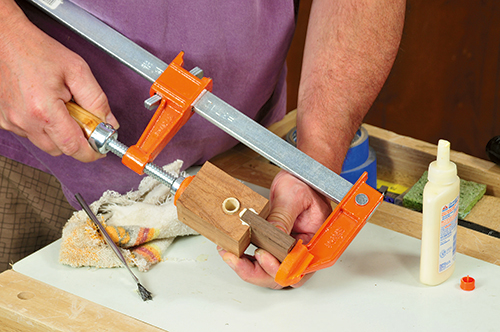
[285, 208]
[281, 218]
[87, 92]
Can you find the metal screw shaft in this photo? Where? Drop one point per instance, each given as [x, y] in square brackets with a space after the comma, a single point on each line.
[150, 169]
[157, 173]
[117, 147]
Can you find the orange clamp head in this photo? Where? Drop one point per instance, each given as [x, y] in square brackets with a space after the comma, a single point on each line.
[182, 187]
[293, 267]
[178, 89]
[333, 237]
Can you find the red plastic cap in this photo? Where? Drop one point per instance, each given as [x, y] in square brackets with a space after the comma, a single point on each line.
[467, 283]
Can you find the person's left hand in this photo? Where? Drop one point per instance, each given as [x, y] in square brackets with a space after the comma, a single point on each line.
[297, 210]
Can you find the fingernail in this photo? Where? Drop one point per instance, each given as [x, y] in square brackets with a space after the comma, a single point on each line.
[280, 225]
[258, 255]
[110, 118]
[281, 228]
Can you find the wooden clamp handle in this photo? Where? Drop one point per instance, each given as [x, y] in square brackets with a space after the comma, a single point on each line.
[266, 236]
[87, 121]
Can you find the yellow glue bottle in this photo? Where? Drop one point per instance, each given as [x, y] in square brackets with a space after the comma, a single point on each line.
[440, 217]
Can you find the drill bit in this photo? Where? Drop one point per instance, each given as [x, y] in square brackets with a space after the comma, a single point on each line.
[143, 292]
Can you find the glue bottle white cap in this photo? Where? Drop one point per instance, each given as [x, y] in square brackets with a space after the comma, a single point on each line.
[443, 171]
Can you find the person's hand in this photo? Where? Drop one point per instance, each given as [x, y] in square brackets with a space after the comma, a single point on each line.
[38, 76]
[297, 210]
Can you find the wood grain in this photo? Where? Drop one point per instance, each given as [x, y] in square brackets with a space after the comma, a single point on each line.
[402, 160]
[30, 305]
[86, 120]
[266, 236]
[200, 207]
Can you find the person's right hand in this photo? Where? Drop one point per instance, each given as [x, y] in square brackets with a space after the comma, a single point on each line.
[38, 76]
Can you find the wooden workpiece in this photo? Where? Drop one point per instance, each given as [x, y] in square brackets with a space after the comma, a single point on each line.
[266, 236]
[206, 205]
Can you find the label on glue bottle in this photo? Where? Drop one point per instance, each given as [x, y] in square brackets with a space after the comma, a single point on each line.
[448, 235]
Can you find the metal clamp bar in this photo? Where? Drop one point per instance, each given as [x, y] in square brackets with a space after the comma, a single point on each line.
[271, 147]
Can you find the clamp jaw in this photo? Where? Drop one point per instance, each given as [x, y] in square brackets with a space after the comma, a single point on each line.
[175, 91]
[333, 237]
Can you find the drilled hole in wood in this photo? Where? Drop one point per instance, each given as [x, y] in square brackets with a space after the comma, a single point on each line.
[230, 205]
[25, 295]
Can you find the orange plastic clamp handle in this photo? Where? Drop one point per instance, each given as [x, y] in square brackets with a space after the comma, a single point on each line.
[334, 236]
[178, 89]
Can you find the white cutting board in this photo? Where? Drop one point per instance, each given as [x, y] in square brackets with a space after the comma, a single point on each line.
[373, 287]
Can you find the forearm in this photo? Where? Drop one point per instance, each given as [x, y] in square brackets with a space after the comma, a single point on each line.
[350, 48]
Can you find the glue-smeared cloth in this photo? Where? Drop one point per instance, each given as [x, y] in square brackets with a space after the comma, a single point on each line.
[143, 223]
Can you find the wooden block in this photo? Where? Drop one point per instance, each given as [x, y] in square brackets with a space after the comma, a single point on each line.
[266, 236]
[486, 212]
[30, 305]
[200, 206]
[257, 171]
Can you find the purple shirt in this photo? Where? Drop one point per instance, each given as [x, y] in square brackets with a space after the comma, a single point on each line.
[241, 45]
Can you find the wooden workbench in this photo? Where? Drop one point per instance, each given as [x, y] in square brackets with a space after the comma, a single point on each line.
[41, 307]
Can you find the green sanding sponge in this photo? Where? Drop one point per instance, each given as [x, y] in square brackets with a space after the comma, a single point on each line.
[470, 193]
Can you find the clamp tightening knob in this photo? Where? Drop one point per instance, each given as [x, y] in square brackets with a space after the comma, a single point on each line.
[100, 137]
